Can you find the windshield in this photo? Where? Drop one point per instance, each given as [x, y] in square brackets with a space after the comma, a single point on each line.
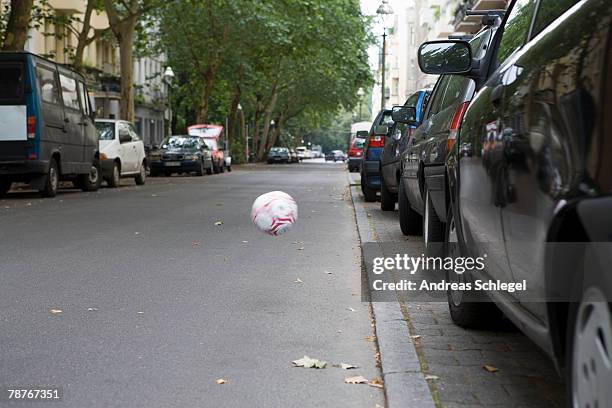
[277, 150]
[106, 130]
[181, 142]
[12, 80]
[358, 143]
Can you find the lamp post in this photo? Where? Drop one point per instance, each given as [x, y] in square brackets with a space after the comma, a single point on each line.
[243, 131]
[360, 95]
[383, 11]
[168, 77]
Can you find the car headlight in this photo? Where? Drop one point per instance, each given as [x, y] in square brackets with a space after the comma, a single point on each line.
[192, 157]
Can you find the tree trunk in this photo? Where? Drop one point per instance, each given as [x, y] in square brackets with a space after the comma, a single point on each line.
[17, 27]
[267, 118]
[202, 116]
[280, 123]
[126, 53]
[83, 38]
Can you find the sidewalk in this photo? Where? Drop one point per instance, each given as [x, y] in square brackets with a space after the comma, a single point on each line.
[450, 360]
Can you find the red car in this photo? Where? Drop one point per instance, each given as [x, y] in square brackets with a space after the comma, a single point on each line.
[214, 137]
[355, 153]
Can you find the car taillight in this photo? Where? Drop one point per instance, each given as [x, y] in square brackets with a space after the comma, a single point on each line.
[376, 141]
[455, 125]
[31, 127]
[32, 156]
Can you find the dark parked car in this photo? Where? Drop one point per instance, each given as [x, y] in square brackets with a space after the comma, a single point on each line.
[278, 155]
[355, 152]
[396, 142]
[335, 156]
[47, 132]
[531, 187]
[372, 149]
[182, 154]
[422, 199]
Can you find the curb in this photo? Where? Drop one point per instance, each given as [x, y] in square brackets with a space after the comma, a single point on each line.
[405, 384]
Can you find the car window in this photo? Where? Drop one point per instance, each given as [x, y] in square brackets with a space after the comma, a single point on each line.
[84, 99]
[454, 89]
[134, 133]
[358, 143]
[549, 11]
[106, 130]
[69, 93]
[516, 29]
[425, 104]
[47, 85]
[387, 119]
[438, 95]
[413, 100]
[11, 82]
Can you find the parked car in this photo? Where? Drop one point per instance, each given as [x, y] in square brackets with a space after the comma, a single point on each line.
[278, 155]
[534, 170]
[293, 156]
[122, 152]
[46, 121]
[395, 143]
[355, 153]
[335, 156]
[423, 196]
[372, 149]
[182, 154]
[213, 136]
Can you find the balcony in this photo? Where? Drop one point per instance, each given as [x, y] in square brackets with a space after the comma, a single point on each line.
[471, 24]
[68, 6]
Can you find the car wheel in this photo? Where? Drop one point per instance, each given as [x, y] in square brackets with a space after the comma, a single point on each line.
[468, 308]
[115, 179]
[589, 351]
[369, 194]
[51, 180]
[216, 169]
[229, 169]
[210, 170]
[433, 228]
[5, 186]
[200, 170]
[387, 200]
[222, 167]
[168, 173]
[92, 180]
[410, 221]
[141, 178]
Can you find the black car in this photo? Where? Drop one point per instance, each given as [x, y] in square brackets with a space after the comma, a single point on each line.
[279, 155]
[372, 150]
[396, 142]
[530, 183]
[48, 132]
[422, 197]
[181, 154]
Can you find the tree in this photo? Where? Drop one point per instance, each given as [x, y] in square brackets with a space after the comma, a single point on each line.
[16, 33]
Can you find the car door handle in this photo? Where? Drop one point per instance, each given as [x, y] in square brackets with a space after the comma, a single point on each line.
[497, 94]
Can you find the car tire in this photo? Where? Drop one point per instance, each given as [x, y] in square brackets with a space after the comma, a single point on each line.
[468, 309]
[229, 169]
[141, 178]
[115, 179]
[411, 222]
[369, 194]
[92, 180]
[51, 180]
[216, 169]
[200, 170]
[589, 341]
[222, 167]
[387, 200]
[210, 170]
[433, 228]
[5, 186]
[168, 173]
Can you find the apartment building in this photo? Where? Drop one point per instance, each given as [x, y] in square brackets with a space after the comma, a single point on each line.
[101, 66]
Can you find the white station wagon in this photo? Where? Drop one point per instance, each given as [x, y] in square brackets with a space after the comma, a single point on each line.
[122, 153]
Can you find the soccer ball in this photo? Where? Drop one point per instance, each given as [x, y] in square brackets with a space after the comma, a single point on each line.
[274, 213]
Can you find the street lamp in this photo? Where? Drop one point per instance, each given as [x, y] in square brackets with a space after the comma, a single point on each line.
[243, 130]
[383, 11]
[360, 95]
[168, 78]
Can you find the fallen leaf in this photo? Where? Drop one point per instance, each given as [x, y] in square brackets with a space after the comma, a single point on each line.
[490, 368]
[137, 233]
[356, 380]
[308, 362]
[220, 222]
[153, 195]
[338, 331]
[300, 248]
[431, 377]
[345, 366]
[140, 312]
[221, 381]
[92, 309]
[416, 337]
[298, 280]
[350, 309]
[376, 382]
[195, 244]
[56, 311]
[245, 242]
[369, 338]
[328, 272]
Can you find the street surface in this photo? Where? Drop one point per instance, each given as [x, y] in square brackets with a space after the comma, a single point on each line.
[134, 297]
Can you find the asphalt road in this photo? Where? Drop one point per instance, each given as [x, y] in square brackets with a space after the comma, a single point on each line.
[158, 303]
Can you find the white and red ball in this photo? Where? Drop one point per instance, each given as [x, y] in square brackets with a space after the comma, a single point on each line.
[274, 213]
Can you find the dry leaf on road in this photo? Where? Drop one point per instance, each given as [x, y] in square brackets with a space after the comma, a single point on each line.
[220, 222]
[56, 311]
[298, 280]
[376, 382]
[359, 379]
[308, 362]
[345, 366]
[431, 377]
[490, 368]
[350, 309]
[221, 381]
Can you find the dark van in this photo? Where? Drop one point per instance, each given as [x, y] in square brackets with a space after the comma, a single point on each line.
[47, 132]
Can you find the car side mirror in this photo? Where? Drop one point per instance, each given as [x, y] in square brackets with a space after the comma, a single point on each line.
[405, 114]
[446, 57]
[124, 136]
[381, 130]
